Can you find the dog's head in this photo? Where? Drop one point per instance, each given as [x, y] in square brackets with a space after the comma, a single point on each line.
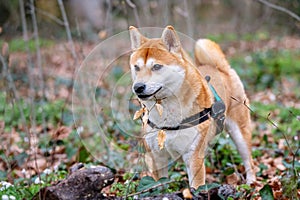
[156, 64]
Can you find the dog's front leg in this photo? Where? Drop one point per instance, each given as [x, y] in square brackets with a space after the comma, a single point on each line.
[156, 159]
[194, 162]
[157, 163]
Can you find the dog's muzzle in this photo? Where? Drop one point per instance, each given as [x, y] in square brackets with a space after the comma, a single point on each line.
[143, 91]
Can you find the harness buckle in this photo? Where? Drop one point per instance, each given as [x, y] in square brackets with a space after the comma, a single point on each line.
[217, 113]
[217, 109]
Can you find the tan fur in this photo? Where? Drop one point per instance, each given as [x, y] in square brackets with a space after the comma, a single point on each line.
[190, 97]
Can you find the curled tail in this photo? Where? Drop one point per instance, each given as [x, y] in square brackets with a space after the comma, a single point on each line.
[208, 52]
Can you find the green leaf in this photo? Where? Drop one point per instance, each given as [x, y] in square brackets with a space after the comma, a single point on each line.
[176, 176]
[83, 155]
[3, 175]
[207, 187]
[228, 171]
[245, 187]
[266, 193]
[20, 158]
[148, 183]
[145, 183]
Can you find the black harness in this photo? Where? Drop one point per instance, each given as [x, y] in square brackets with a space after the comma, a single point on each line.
[216, 111]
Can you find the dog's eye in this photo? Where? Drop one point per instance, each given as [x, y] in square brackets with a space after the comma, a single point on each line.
[137, 68]
[156, 67]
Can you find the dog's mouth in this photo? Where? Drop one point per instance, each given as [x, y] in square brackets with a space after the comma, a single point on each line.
[147, 96]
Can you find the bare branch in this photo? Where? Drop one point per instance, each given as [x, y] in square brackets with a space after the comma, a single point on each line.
[136, 16]
[38, 51]
[188, 19]
[50, 16]
[269, 120]
[108, 19]
[29, 65]
[279, 8]
[69, 36]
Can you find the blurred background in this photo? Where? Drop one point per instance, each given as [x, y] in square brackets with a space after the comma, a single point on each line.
[44, 42]
[197, 18]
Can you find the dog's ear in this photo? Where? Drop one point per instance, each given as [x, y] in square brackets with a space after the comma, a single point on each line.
[137, 39]
[171, 40]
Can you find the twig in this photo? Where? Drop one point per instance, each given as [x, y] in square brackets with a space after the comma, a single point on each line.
[70, 41]
[32, 134]
[38, 53]
[188, 19]
[74, 55]
[67, 27]
[151, 188]
[279, 8]
[108, 20]
[29, 74]
[13, 88]
[266, 118]
[128, 186]
[294, 154]
[135, 13]
[126, 12]
[50, 16]
[40, 83]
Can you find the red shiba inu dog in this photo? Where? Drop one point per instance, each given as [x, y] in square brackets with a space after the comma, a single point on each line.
[186, 103]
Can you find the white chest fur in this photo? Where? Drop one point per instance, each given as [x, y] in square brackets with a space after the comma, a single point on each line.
[177, 142]
[172, 114]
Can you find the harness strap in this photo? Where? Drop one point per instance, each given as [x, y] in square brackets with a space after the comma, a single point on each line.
[189, 122]
[216, 111]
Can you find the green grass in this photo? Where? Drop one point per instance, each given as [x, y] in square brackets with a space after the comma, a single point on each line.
[14, 113]
[230, 37]
[19, 45]
[24, 188]
[46, 113]
[266, 69]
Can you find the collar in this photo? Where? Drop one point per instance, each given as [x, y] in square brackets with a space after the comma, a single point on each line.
[216, 111]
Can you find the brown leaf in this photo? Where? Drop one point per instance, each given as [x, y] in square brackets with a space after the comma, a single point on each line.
[61, 133]
[187, 194]
[232, 179]
[281, 144]
[159, 108]
[278, 164]
[38, 164]
[139, 113]
[278, 194]
[145, 118]
[161, 137]
[275, 184]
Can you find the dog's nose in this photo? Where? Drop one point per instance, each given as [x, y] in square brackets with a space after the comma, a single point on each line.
[139, 88]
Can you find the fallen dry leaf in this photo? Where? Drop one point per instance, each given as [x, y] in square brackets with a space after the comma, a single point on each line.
[281, 144]
[159, 108]
[187, 194]
[61, 133]
[161, 137]
[139, 113]
[232, 179]
[278, 164]
[145, 118]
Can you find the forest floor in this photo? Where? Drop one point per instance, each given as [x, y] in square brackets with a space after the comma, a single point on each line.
[39, 140]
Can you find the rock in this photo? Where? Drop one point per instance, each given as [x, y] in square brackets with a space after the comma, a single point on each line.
[81, 184]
